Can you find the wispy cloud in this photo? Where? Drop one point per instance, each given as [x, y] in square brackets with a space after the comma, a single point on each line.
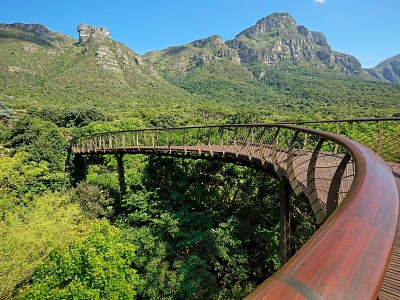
[320, 1]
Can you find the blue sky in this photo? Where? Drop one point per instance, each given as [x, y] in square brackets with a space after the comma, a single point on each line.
[367, 29]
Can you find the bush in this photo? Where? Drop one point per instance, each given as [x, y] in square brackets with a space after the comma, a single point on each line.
[93, 201]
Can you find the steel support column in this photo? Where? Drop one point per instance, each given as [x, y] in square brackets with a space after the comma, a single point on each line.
[79, 169]
[284, 241]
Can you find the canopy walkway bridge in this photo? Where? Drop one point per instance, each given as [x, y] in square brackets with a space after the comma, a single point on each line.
[336, 165]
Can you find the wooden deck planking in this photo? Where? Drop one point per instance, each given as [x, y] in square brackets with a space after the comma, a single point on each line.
[390, 288]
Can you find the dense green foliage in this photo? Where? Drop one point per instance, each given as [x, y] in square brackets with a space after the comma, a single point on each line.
[97, 267]
[187, 229]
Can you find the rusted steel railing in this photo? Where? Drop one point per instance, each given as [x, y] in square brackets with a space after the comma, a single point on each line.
[347, 185]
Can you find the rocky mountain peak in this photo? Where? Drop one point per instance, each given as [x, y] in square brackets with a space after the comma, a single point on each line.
[276, 22]
[88, 34]
[276, 39]
[39, 31]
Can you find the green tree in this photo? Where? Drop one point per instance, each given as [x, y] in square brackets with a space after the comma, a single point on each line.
[42, 139]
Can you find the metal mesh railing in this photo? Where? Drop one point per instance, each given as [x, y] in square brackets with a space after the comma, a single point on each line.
[381, 135]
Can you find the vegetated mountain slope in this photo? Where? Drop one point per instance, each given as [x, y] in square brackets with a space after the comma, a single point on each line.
[209, 67]
[388, 70]
[39, 67]
[280, 65]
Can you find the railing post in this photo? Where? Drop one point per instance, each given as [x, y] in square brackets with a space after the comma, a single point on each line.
[123, 141]
[261, 146]
[315, 202]
[197, 141]
[284, 240]
[338, 133]
[222, 140]
[305, 141]
[274, 150]
[184, 141]
[235, 142]
[250, 143]
[290, 167]
[209, 142]
[168, 140]
[334, 188]
[379, 148]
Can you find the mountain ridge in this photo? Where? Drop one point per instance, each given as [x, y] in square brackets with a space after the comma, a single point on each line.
[275, 65]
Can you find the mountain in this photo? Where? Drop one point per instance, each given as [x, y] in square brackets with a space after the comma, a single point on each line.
[388, 70]
[44, 68]
[273, 68]
[273, 41]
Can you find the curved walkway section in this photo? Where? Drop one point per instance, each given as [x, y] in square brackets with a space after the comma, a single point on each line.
[349, 188]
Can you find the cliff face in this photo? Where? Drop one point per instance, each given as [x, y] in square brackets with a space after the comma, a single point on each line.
[89, 34]
[109, 55]
[277, 39]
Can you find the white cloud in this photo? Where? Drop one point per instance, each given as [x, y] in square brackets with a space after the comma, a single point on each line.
[320, 1]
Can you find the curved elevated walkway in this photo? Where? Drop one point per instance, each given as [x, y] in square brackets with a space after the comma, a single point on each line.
[349, 188]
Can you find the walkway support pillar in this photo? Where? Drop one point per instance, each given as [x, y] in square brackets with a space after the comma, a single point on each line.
[284, 241]
[121, 174]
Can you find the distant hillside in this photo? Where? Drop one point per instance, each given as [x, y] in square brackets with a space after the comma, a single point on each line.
[40, 67]
[388, 70]
[210, 68]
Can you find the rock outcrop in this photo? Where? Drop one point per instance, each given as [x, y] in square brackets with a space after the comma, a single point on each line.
[39, 31]
[89, 34]
[214, 46]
